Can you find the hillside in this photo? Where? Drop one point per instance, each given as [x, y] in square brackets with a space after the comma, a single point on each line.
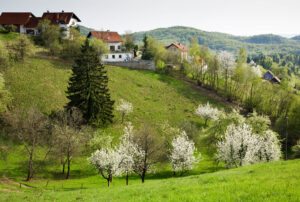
[267, 44]
[42, 81]
[277, 181]
[84, 30]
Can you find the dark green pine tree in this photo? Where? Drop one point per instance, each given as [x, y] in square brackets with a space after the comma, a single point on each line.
[88, 89]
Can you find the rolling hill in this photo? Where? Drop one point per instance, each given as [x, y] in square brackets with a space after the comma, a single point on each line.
[267, 44]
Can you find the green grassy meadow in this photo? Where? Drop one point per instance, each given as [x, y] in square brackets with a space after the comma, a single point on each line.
[277, 181]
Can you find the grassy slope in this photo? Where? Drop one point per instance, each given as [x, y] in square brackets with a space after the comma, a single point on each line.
[156, 98]
[277, 181]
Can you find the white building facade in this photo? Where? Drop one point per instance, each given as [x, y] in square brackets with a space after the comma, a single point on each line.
[114, 44]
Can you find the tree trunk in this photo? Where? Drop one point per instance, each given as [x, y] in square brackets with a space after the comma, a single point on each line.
[143, 175]
[69, 168]
[108, 181]
[30, 166]
[110, 177]
[123, 115]
[63, 168]
[127, 178]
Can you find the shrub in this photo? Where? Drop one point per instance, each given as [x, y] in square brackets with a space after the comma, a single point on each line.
[3, 56]
[21, 48]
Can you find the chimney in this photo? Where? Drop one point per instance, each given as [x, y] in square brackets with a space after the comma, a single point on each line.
[62, 11]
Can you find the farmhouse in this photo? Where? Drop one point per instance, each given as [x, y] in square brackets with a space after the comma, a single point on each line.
[270, 77]
[114, 43]
[27, 23]
[180, 48]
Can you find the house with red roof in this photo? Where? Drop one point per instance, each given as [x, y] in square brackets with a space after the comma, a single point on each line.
[178, 47]
[27, 22]
[24, 22]
[114, 43]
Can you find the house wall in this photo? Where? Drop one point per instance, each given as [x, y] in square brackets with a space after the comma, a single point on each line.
[135, 64]
[268, 76]
[116, 45]
[119, 57]
[22, 29]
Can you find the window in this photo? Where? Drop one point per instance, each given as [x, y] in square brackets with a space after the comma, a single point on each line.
[120, 56]
[112, 48]
[113, 56]
[119, 47]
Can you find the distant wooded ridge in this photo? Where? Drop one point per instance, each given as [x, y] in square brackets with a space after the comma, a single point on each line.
[267, 44]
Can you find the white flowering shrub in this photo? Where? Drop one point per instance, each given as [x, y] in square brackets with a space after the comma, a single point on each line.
[227, 62]
[269, 147]
[128, 151]
[106, 161]
[256, 71]
[241, 147]
[207, 112]
[125, 108]
[183, 153]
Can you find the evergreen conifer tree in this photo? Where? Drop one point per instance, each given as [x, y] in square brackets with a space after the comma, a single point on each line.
[88, 89]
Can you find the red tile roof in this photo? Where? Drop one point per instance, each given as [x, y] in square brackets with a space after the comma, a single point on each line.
[62, 17]
[180, 46]
[33, 22]
[106, 36]
[8, 18]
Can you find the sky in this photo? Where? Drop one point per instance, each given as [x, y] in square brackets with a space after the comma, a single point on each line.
[238, 17]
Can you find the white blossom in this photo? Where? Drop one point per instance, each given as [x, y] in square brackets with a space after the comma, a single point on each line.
[227, 62]
[128, 150]
[269, 147]
[207, 112]
[241, 147]
[125, 107]
[256, 71]
[106, 161]
[182, 153]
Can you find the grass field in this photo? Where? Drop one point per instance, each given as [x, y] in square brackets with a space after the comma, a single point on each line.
[277, 181]
[156, 98]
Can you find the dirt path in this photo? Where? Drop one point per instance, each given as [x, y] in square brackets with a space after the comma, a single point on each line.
[209, 93]
[6, 181]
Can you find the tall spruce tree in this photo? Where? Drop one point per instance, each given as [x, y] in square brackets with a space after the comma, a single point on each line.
[88, 89]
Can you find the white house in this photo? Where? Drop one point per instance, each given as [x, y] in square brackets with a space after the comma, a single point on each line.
[114, 44]
[26, 22]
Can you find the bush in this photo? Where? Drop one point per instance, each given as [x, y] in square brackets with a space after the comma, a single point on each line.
[21, 48]
[8, 28]
[3, 56]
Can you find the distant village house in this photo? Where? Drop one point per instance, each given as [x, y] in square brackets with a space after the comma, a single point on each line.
[114, 43]
[26, 22]
[270, 77]
[179, 47]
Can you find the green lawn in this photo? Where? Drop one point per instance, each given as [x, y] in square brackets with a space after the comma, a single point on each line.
[277, 181]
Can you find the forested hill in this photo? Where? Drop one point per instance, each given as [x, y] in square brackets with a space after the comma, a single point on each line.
[84, 30]
[266, 44]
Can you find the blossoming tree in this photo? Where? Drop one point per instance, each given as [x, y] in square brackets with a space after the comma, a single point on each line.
[183, 153]
[125, 108]
[241, 146]
[106, 161]
[207, 112]
[128, 151]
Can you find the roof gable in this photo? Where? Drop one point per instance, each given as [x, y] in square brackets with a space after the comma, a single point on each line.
[15, 18]
[106, 36]
[59, 18]
[179, 46]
